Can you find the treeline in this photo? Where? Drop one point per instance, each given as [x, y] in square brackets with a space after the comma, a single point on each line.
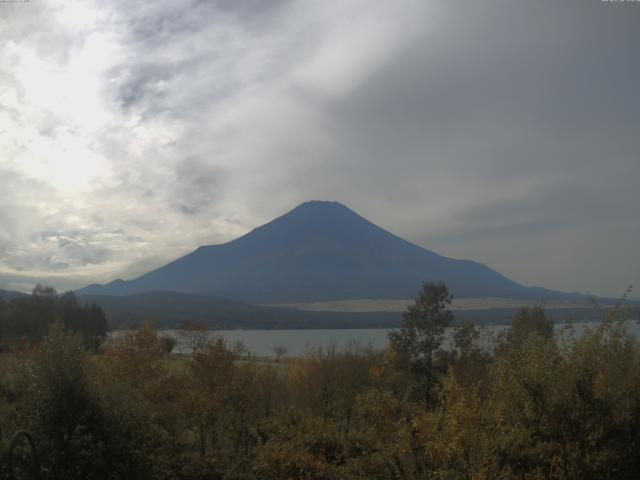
[28, 318]
[527, 404]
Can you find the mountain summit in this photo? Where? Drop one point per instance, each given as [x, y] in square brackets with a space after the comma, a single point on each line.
[318, 251]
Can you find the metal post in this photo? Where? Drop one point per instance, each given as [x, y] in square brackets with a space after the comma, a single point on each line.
[35, 468]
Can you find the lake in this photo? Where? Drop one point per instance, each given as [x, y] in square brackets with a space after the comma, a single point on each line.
[298, 342]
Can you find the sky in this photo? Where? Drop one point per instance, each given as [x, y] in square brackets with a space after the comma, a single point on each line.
[503, 132]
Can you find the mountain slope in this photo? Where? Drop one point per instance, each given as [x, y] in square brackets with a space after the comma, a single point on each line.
[7, 295]
[169, 309]
[318, 251]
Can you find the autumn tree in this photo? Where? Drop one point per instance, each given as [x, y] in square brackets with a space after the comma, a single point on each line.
[468, 359]
[135, 358]
[168, 343]
[526, 322]
[240, 349]
[78, 434]
[212, 371]
[59, 402]
[194, 335]
[327, 381]
[418, 341]
[31, 317]
[279, 351]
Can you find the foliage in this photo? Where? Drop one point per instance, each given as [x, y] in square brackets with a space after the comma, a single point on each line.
[168, 343]
[527, 322]
[417, 344]
[280, 351]
[533, 405]
[194, 335]
[80, 434]
[30, 317]
[240, 349]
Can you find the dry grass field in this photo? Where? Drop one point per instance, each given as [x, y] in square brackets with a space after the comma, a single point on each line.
[391, 305]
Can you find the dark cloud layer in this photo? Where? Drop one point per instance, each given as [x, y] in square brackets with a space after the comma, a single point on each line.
[504, 132]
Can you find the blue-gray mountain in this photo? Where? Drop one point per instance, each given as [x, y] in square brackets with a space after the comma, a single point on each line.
[319, 251]
[6, 295]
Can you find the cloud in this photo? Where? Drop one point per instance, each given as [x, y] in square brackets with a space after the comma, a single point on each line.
[133, 132]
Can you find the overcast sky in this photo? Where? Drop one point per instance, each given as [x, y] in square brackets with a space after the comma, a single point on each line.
[499, 131]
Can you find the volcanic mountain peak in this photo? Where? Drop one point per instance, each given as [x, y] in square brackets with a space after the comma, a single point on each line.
[312, 217]
[318, 251]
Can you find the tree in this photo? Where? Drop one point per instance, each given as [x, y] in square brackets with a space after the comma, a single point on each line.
[168, 343]
[280, 351]
[419, 339]
[60, 406]
[135, 357]
[465, 337]
[239, 349]
[527, 322]
[32, 316]
[194, 335]
[212, 371]
[42, 291]
[328, 380]
[468, 360]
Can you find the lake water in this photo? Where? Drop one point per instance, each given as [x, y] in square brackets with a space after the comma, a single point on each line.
[298, 342]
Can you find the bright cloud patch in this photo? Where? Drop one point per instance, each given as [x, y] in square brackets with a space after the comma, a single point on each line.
[131, 132]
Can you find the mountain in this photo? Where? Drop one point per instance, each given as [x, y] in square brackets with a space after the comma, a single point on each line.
[318, 251]
[7, 295]
[169, 309]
